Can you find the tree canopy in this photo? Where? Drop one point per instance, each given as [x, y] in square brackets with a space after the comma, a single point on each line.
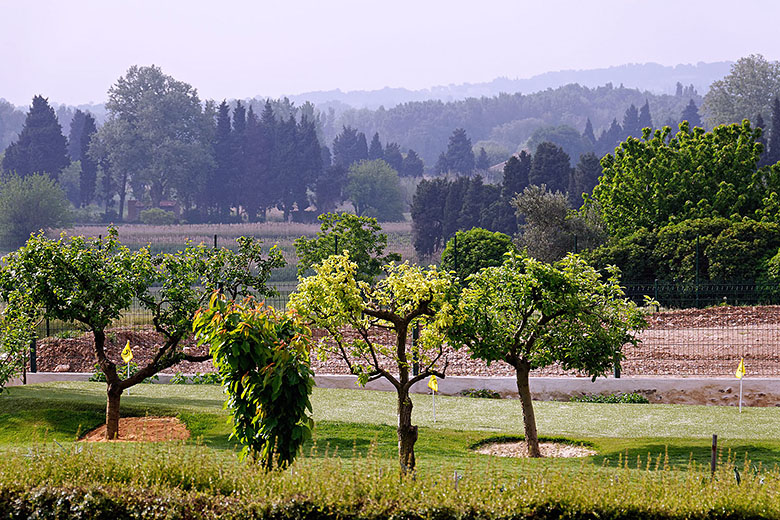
[746, 91]
[375, 190]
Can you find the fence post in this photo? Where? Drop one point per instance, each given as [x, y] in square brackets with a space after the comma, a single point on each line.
[655, 295]
[33, 359]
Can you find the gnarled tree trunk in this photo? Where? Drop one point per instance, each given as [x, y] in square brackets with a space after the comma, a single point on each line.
[112, 412]
[522, 369]
[407, 432]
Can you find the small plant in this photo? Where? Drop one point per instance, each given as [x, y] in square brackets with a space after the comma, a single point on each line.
[179, 379]
[209, 378]
[482, 393]
[630, 398]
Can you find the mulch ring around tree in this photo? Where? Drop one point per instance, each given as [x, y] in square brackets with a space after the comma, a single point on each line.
[143, 429]
[520, 449]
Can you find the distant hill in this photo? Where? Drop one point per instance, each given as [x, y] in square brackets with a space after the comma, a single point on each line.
[651, 77]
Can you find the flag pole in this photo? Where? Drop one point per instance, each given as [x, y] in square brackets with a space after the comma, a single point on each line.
[433, 393]
[740, 395]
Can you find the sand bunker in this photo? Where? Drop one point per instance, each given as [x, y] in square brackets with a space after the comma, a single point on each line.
[143, 429]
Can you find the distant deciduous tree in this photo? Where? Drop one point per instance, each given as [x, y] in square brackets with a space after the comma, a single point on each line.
[374, 189]
[773, 143]
[30, 204]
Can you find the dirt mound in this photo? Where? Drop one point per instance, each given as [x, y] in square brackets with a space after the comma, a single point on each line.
[143, 429]
[548, 449]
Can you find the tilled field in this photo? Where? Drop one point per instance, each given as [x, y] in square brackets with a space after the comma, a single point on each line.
[688, 342]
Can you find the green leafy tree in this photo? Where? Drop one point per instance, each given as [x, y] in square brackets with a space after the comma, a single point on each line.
[375, 190]
[531, 314]
[29, 204]
[17, 330]
[335, 300]
[262, 358]
[92, 282]
[470, 251]
[157, 136]
[459, 155]
[693, 174]
[746, 91]
[361, 237]
[565, 137]
[41, 147]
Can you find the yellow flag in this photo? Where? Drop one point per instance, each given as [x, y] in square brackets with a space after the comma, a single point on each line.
[741, 369]
[433, 384]
[127, 353]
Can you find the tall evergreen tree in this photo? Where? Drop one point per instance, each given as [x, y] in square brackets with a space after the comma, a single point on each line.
[309, 154]
[516, 171]
[645, 119]
[460, 156]
[349, 147]
[773, 143]
[89, 167]
[286, 153]
[375, 151]
[412, 165]
[482, 162]
[472, 204]
[588, 135]
[585, 177]
[41, 147]
[329, 188]
[631, 122]
[441, 164]
[453, 205]
[255, 180]
[691, 114]
[74, 136]
[393, 156]
[221, 183]
[428, 215]
[610, 138]
[550, 166]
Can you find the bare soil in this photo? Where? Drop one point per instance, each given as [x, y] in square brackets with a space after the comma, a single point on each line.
[686, 342]
[143, 429]
[548, 449]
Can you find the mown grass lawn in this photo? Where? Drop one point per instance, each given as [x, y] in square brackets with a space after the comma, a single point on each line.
[353, 423]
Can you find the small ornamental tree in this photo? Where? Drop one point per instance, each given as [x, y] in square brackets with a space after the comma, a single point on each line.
[17, 325]
[263, 361]
[335, 300]
[469, 251]
[361, 236]
[92, 282]
[531, 314]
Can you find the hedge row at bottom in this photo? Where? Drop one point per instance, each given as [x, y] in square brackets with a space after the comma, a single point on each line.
[98, 503]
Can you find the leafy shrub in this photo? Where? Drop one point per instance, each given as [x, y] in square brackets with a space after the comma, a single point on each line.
[469, 251]
[482, 393]
[209, 378]
[158, 217]
[631, 398]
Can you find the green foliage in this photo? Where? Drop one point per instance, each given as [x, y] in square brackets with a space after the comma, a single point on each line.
[628, 398]
[469, 251]
[459, 157]
[99, 377]
[158, 217]
[664, 179]
[17, 330]
[481, 393]
[209, 378]
[263, 362]
[746, 91]
[360, 236]
[29, 204]
[375, 191]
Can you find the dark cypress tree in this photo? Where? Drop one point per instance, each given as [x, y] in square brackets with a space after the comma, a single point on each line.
[393, 156]
[238, 144]
[441, 164]
[550, 166]
[428, 215]
[89, 167]
[375, 151]
[516, 171]
[41, 147]
[609, 139]
[585, 177]
[309, 154]
[460, 156]
[218, 187]
[74, 136]
[453, 206]
[678, 90]
[645, 119]
[631, 123]
[691, 114]
[773, 143]
[473, 204]
[285, 148]
[329, 188]
[482, 162]
[349, 147]
[256, 175]
[412, 165]
[588, 135]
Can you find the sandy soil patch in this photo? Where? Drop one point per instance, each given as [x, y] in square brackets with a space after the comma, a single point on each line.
[548, 449]
[144, 429]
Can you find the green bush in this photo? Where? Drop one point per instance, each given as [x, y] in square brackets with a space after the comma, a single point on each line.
[158, 217]
[611, 398]
[476, 249]
[482, 393]
[99, 377]
[209, 378]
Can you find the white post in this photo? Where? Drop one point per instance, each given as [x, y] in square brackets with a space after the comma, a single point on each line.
[433, 393]
[128, 376]
[740, 395]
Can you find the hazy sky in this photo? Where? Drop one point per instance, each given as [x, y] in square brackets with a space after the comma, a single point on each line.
[72, 51]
